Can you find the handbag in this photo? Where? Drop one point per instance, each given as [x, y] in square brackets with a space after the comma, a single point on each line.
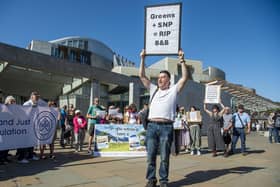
[68, 132]
[227, 137]
[145, 114]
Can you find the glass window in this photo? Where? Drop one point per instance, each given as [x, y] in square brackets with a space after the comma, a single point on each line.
[56, 52]
[75, 43]
[86, 45]
[52, 51]
[72, 55]
[81, 44]
[70, 43]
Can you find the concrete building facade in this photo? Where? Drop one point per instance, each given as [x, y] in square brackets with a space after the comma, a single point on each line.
[73, 70]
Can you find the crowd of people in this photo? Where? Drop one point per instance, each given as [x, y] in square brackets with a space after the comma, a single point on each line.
[223, 127]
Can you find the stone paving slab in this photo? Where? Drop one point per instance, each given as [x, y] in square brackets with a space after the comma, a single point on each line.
[261, 167]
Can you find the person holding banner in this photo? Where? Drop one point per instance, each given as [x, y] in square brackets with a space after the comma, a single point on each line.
[43, 147]
[34, 101]
[161, 117]
[214, 135]
[4, 153]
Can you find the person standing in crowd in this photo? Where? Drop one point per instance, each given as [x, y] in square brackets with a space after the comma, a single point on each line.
[93, 119]
[34, 101]
[125, 115]
[240, 121]
[79, 130]
[161, 117]
[63, 116]
[195, 134]
[70, 125]
[182, 135]
[133, 116]
[276, 119]
[227, 118]
[272, 129]
[142, 113]
[214, 135]
[185, 132]
[10, 100]
[51, 145]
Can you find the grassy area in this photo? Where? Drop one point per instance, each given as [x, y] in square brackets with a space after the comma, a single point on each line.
[117, 147]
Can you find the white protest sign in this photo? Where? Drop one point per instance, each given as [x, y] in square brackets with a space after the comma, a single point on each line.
[26, 126]
[193, 116]
[101, 113]
[212, 94]
[163, 29]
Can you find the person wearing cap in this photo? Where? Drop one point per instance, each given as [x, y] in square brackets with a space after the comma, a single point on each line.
[80, 123]
[240, 121]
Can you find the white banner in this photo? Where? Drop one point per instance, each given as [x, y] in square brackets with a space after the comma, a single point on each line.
[212, 94]
[162, 29]
[26, 126]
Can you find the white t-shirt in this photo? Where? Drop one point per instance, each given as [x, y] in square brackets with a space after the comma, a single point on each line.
[164, 103]
[40, 102]
[132, 118]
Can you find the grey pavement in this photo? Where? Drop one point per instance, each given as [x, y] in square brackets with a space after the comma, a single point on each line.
[260, 168]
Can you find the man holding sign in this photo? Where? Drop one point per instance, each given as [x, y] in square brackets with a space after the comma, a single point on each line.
[161, 116]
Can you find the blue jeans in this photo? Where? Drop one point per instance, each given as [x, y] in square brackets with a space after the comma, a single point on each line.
[158, 138]
[273, 132]
[238, 132]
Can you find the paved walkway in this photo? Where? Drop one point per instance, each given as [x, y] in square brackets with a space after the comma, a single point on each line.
[260, 168]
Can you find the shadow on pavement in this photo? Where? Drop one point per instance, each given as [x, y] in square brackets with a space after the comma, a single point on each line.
[255, 151]
[204, 176]
[64, 158]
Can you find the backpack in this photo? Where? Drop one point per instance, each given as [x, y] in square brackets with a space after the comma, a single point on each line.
[277, 121]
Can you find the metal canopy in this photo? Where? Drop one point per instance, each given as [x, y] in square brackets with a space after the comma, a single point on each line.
[246, 96]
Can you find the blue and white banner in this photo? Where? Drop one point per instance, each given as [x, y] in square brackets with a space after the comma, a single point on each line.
[120, 140]
[26, 126]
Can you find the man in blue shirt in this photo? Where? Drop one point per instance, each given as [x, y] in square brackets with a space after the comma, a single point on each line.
[240, 121]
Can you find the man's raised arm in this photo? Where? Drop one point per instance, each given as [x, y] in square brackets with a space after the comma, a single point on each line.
[184, 77]
[142, 74]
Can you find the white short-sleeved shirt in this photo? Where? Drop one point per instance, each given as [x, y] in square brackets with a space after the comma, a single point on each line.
[40, 102]
[164, 103]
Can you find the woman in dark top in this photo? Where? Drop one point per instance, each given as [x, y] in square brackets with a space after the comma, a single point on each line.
[215, 138]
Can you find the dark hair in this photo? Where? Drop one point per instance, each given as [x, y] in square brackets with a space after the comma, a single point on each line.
[240, 106]
[166, 72]
[216, 107]
[193, 107]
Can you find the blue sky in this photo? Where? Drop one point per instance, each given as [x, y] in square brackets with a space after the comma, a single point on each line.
[242, 37]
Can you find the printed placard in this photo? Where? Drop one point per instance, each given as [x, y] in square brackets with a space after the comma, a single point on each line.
[212, 94]
[163, 29]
